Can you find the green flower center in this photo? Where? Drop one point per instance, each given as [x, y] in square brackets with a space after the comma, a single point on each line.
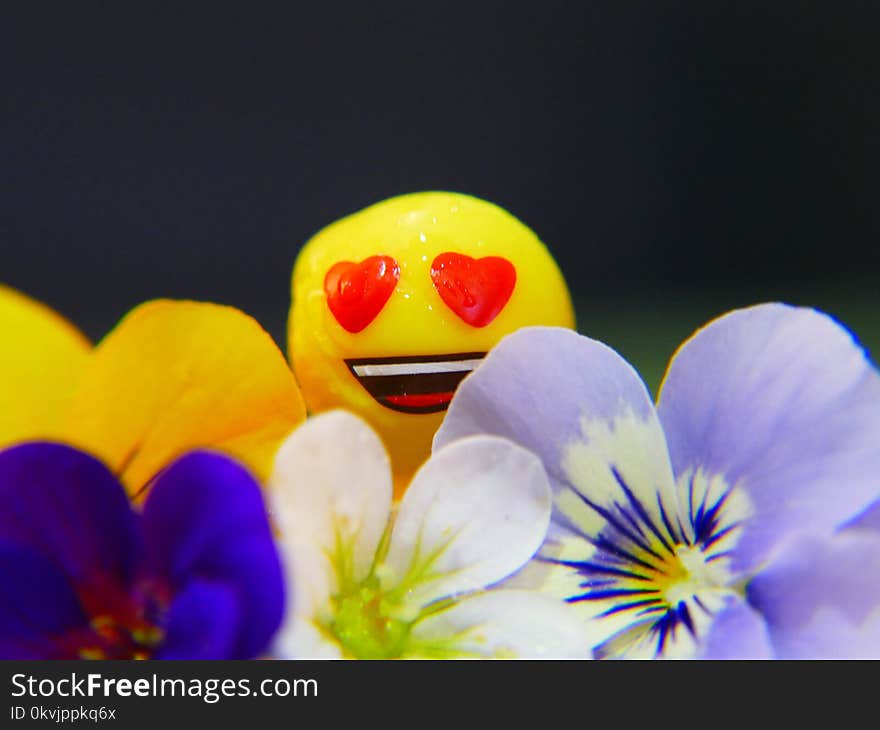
[365, 626]
[374, 617]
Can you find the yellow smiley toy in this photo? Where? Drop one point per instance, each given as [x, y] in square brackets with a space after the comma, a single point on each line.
[394, 305]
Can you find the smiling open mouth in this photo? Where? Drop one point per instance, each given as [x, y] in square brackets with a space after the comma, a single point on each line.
[417, 384]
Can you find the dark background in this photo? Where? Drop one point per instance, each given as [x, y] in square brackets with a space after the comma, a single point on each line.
[677, 158]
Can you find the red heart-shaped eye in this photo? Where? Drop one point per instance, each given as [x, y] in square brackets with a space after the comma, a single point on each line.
[475, 289]
[356, 292]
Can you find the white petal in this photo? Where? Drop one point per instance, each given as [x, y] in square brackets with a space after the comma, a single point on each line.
[330, 492]
[474, 513]
[507, 624]
[617, 465]
[302, 639]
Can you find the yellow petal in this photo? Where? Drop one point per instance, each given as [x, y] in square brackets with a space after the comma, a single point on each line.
[41, 358]
[175, 375]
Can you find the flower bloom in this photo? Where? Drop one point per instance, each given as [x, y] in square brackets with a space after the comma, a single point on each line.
[170, 377]
[709, 526]
[371, 584]
[194, 576]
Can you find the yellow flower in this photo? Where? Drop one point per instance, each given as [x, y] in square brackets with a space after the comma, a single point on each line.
[171, 376]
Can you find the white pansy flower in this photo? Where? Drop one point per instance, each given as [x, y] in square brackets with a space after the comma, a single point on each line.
[374, 580]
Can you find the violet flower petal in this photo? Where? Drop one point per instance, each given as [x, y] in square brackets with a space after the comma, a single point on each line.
[203, 623]
[68, 507]
[37, 606]
[205, 519]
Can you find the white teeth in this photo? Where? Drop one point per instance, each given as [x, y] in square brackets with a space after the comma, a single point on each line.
[417, 368]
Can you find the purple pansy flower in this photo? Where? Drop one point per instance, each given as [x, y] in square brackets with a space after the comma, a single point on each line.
[711, 525]
[195, 575]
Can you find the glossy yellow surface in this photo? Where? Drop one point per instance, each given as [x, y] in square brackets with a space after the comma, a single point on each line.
[415, 321]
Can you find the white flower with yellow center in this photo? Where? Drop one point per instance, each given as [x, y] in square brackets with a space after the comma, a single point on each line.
[374, 581]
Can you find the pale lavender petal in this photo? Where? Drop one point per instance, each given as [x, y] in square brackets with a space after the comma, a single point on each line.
[869, 519]
[584, 411]
[535, 387]
[821, 597]
[737, 632]
[781, 401]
